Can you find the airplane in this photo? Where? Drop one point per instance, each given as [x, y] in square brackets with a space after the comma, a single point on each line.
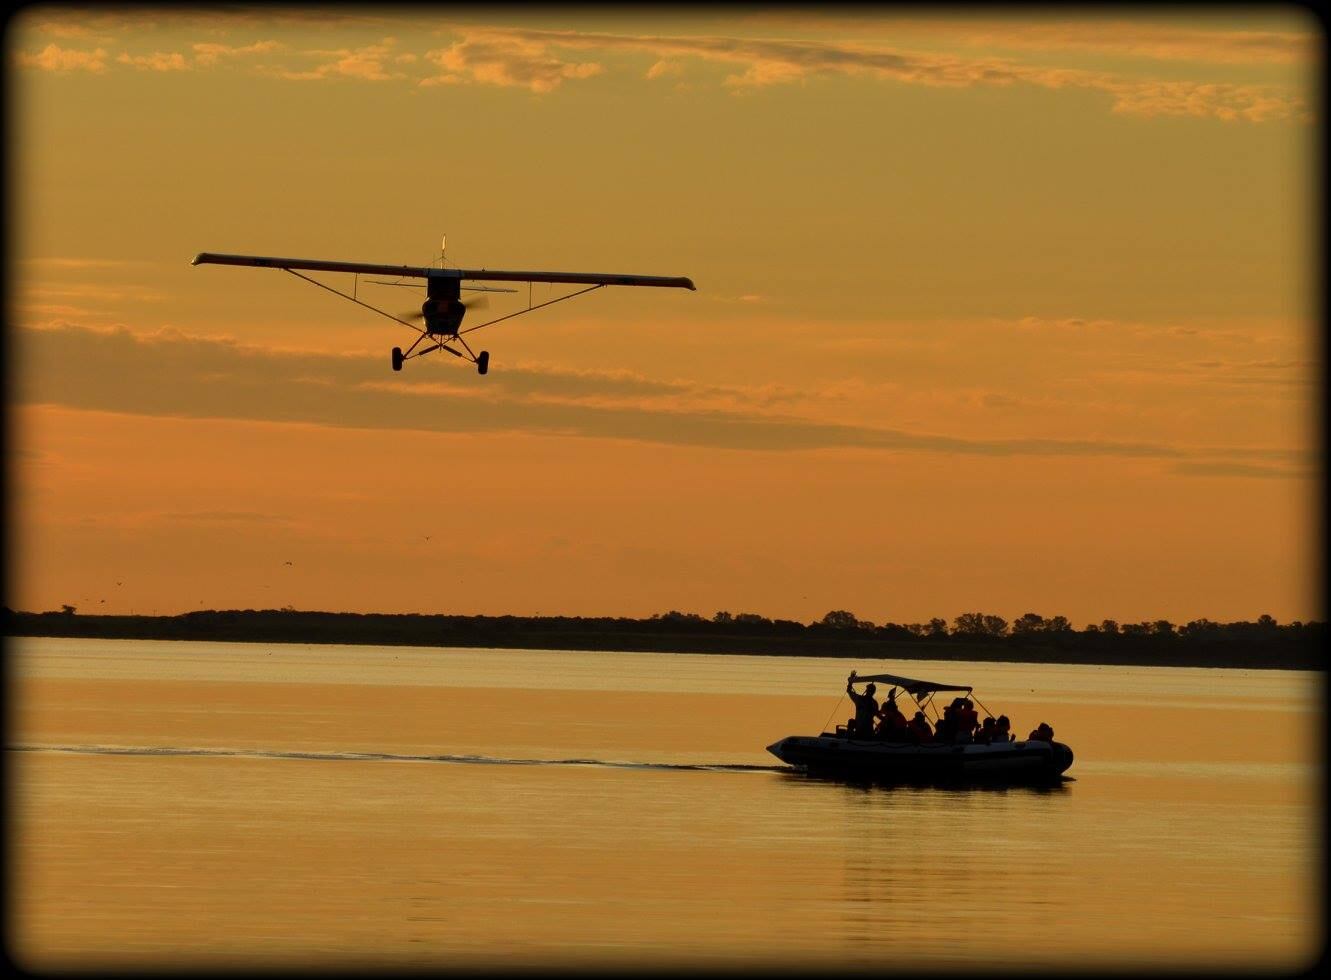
[443, 309]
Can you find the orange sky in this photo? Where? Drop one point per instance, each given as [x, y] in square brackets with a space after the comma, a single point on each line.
[994, 313]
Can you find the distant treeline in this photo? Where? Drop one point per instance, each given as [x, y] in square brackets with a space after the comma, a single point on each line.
[970, 636]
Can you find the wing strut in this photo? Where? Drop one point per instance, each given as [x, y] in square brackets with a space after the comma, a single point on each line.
[358, 302]
[529, 309]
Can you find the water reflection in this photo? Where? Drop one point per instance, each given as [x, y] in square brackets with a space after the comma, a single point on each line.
[326, 807]
[868, 784]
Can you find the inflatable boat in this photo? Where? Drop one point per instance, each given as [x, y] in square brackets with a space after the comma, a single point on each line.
[845, 753]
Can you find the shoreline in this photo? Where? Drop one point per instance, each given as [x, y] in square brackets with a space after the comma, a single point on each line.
[1295, 647]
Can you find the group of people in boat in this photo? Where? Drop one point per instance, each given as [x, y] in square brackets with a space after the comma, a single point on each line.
[958, 724]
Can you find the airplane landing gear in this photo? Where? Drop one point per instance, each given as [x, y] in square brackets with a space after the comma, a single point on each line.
[397, 358]
[483, 362]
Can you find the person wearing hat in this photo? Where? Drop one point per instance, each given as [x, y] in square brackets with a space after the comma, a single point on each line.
[866, 708]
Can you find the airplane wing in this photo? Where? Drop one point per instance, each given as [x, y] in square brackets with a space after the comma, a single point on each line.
[429, 272]
[315, 265]
[587, 278]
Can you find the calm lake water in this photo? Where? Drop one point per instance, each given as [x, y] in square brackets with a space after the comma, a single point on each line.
[231, 805]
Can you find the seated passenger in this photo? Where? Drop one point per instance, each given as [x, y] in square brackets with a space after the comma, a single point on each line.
[945, 730]
[894, 723]
[919, 725]
[1042, 733]
[986, 733]
[1002, 729]
[970, 721]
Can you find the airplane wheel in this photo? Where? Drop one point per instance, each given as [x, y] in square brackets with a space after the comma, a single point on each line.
[397, 358]
[483, 362]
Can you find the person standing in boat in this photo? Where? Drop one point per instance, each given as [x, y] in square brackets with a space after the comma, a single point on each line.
[866, 708]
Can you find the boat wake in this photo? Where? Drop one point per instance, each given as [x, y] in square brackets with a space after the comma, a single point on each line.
[481, 760]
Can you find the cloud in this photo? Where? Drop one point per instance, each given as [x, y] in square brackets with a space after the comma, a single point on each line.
[173, 374]
[58, 313]
[367, 64]
[1149, 39]
[157, 61]
[1225, 469]
[69, 29]
[996, 399]
[43, 301]
[1214, 100]
[106, 21]
[1292, 377]
[505, 59]
[204, 55]
[541, 61]
[1144, 40]
[55, 58]
[664, 68]
[209, 54]
[93, 291]
[766, 62]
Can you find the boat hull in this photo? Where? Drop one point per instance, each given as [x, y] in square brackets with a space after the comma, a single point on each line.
[836, 755]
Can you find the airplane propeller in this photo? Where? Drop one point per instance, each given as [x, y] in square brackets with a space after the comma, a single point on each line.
[471, 303]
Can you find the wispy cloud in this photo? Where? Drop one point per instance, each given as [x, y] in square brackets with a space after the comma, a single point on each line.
[1226, 469]
[123, 292]
[371, 63]
[506, 59]
[1155, 41]
[765, 62]
[541, 61]
[69, 29]
[172, 374]
[1148, 38]
[58, 59]
[55, 313]
[208, 54]
[157, 61]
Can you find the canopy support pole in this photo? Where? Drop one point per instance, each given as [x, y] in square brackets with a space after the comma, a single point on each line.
[981, 704]
[834, 710]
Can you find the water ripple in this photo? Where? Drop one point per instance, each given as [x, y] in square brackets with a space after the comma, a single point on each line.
[169, 750]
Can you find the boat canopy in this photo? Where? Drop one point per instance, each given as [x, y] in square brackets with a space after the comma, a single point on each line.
[912, 687]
